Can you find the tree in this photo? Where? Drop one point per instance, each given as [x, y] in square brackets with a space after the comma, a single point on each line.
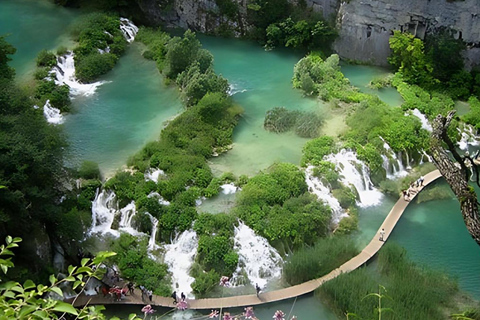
[457, 177]
[408, 56]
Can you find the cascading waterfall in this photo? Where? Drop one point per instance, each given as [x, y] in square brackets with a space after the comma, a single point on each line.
[104, 210]
[153, 174]
[469, 137]
[128, 29]
[260, 261]
[323, 193]
[356, 173]
[153, 234]
[425, 124]
[392, 163]
[52, 114]
[425, 155]
[64, 73]
[179, 256]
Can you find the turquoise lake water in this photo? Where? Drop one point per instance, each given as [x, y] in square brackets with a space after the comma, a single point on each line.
[132, 108]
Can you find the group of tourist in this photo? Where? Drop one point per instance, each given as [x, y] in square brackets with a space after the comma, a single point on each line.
[413, 188]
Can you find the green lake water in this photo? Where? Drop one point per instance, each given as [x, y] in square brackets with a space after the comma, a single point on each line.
[125, 113]
[31, 26]
[132, 108]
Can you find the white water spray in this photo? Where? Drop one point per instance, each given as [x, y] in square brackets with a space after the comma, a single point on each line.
[159, 197]
[392, 163]
[229, 188]
[356, 173]
[153, 234]
[128, 29]
[469, 137]
[64, 73]
[256, 257]
[425, 124]
[52, 114]
[153, 174]
[179, 256]
[323, 193]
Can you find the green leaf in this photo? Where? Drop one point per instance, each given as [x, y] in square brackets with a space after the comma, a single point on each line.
[71, 269]
[65, 307]
[17, 239]
[83, 269]
[28, 284]
[9, 294]
[8, 239]
[26, 310]
[57, 290]
[52, 279]
[76, 284]
[69, 279]
[132, 316]
[18, 289]
[84, 262]
[102, 255]
[8, 285]
[41, 314]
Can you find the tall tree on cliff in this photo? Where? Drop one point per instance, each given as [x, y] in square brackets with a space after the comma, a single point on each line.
[457, 173]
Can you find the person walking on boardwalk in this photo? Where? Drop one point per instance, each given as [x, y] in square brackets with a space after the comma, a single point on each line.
[174, 296]
[182, 296]
[420, 181]
[150, 295]
[382, 234]
[257, 288]
[130, 287]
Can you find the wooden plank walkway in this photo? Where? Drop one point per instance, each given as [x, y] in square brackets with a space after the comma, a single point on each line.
[282, 294]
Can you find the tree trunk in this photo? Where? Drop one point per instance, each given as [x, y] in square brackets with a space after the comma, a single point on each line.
[456, 173]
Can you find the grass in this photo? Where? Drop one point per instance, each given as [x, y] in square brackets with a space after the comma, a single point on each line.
[314, 262]
[411, 292]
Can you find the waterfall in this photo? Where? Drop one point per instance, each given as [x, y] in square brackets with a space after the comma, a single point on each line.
[425, 124]
[64, 73]
[323, 193]
[153, 174]
[425, 155]
[256, 257]
[104, 210]
[234, 89]
[229, 188]
[128, 29]
[392, 163]
[52, 114]
[469, 137]
[153, 233]
[159, 197]
[356, 173]
[179, 256]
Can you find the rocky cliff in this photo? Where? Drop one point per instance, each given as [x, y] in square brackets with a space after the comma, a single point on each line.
[364, 25]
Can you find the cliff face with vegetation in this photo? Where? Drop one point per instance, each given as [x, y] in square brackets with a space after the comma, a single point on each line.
[364, 26]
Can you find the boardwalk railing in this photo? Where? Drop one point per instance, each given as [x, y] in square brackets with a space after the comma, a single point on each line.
[282, 294]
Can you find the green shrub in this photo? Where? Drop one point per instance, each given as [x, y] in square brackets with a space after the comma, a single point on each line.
[41, 73]
[313, 262]
[89, 170]
[314, 150]
[46, 59]
[58, 95]
[205, 282]
[345, 196]
[93, 65]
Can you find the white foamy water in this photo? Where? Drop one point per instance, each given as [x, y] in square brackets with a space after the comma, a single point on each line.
[469, 137]
[104, 210]
[52, 114]
[425, 124]
[229, 188]
[159, 197]
[356, 173]
[179, 256]
[256, 257]
[234, 89]
[128, 29]
[392, 163]
[324, 194]
[64, 73]
[153, 174]
[153, 234]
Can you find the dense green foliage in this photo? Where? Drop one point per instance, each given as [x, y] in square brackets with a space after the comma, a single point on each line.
[46, 59]
[435, 65]
[277, 206]
[473, 116]
[314, 76]
[135, 265]
[318, 260]
[94, 32]
[58, 95]
[305, 124]
[314, 150]
[89, 170]
[415, 293]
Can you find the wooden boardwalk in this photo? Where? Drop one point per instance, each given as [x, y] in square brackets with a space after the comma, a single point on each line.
[282, 294]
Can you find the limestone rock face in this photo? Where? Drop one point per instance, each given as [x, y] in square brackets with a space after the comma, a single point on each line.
[365, 25]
